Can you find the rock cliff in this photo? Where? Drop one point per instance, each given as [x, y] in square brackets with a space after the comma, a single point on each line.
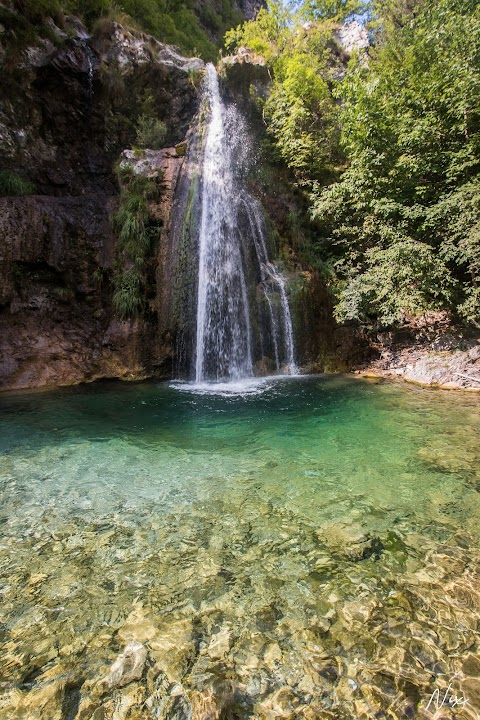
[66, 115]
[250, 8]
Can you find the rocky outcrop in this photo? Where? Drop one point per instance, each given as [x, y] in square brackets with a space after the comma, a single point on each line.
[57, 326]
[447, 368]
[51, 310]
[69, 112]
[430, 350]
[65, 118]
[250, 8]
[353, 36]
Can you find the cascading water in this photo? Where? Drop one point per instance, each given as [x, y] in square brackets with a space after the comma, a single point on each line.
[223, 318]
[225, 304]
[271, 278]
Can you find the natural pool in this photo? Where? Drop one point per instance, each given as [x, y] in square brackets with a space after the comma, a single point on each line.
[308, 548]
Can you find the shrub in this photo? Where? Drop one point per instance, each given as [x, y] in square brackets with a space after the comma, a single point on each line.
[132, 226]
[151, 132]
[127, 297]
[13, 184]
[64, 294]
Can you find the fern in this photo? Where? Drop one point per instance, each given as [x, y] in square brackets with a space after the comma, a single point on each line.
[127, 297]
[132, 225]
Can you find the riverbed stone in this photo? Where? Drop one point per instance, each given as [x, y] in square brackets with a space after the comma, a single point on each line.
[129, 665]
[220, 643]
[471, 666]
[348, 540]
[357, 610]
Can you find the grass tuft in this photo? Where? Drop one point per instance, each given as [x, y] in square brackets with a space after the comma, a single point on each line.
[132, 225]
[151, 132]
[127, 297]
[13, 184]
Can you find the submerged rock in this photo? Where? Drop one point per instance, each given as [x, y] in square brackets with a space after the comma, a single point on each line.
[129, 666]
[350, 541]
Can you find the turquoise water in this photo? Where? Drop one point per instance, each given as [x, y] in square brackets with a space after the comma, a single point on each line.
[305, 548]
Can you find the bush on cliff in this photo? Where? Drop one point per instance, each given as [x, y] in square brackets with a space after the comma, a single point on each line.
[387, 146]
[133, 227]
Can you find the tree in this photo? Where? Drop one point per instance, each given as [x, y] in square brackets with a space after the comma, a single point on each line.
[411, 131]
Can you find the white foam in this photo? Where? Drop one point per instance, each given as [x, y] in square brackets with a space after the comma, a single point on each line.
[245, 386]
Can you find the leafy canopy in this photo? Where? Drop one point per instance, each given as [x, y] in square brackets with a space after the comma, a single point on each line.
[388, 147]
[411, 131]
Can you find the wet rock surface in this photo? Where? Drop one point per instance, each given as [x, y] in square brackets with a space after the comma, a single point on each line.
[56, 320]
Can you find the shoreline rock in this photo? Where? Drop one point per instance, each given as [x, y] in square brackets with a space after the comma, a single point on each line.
[444, 369]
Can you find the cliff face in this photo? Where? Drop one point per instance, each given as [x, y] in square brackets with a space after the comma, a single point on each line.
[250, 8]
[65, 117]
[67, 113]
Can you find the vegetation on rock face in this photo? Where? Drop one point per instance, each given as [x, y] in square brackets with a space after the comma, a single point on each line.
[388, 149]
[151, 132]
[300, 108]
[195, 27]
[135, 232]
[12, 184]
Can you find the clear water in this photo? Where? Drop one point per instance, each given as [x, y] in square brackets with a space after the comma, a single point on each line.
[301, 546]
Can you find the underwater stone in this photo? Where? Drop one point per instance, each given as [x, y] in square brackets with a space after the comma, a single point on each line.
[137, 628]
[128, 666]
[173, 648]
[349, 540]
[471, 691]
[471, 666]
[357, 610]
[220, 643]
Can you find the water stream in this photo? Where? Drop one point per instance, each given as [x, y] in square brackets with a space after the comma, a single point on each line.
[226, 303]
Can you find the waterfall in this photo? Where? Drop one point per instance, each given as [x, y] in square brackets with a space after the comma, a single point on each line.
[270, 275]
[223, 317]
[232, 236]
[90, 75]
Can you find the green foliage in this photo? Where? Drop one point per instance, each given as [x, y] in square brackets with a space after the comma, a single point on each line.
[89, 10]
[132, 225]
[23, 24]
[195, 27]
[403, 223]
[151, 132]
[404, 278]
[389, 150]
[128, 293]
[189, 25]
[34, 11]
[13, 184]
[64, 294]
[268, 35]
[301, 113]
[98, 277]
